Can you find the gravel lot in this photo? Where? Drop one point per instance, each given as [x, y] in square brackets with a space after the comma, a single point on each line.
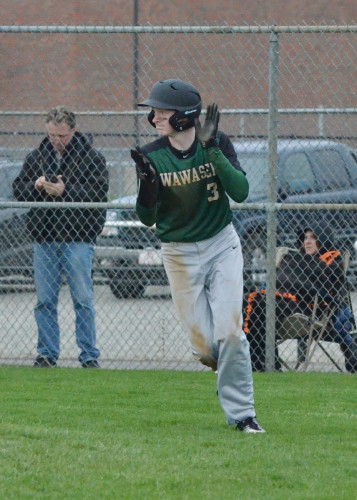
[132, 334]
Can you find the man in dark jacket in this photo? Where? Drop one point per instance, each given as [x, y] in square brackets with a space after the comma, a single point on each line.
[64, 168]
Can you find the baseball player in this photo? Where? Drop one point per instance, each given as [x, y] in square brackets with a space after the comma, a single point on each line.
[185, 178]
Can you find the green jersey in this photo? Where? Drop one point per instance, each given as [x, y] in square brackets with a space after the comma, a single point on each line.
[192, 201]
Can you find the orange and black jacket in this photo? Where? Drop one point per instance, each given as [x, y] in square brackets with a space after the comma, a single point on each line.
[300, 277]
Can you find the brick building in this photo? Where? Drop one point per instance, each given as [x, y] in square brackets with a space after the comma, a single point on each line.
[110, 72]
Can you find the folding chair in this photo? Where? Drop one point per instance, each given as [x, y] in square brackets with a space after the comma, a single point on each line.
[310, 330]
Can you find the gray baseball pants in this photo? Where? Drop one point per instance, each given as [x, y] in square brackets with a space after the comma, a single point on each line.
[206, 282]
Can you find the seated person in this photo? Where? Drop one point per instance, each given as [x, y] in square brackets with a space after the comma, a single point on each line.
[316, 268]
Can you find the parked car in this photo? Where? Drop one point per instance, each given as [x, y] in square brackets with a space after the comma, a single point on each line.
[16, 245]
[15, 240]
[127, 253]
[309, 171]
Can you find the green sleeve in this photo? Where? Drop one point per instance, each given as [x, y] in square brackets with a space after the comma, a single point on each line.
[146, 215]
[234, 181]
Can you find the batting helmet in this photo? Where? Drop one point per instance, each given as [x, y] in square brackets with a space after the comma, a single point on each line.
[178, 95]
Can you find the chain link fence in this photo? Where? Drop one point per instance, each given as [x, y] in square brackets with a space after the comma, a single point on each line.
[288, 102]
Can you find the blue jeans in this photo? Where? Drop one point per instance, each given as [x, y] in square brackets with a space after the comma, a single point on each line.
[343, 322]
[74, 260]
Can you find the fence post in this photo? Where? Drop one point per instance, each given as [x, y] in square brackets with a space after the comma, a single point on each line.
[321, 131]
[271, 212]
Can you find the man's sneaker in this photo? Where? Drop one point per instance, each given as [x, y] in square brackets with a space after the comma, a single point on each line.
[249, 425]
[43, 362]
[93, 363]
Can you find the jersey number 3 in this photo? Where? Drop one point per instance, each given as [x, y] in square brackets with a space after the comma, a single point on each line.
[214, 194]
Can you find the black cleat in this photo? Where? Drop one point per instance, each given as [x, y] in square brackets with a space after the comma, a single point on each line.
[249, 425]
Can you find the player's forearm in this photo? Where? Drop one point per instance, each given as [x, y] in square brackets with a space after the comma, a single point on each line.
[146, 202]
[146, 215]
[148, 192]
[234, 182]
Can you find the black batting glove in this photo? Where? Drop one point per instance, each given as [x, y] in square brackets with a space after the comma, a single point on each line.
[207, 134]
[145, 170]
[148, 179]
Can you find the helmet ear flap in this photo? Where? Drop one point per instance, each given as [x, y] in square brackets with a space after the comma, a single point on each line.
[151, 118]
[179, 121]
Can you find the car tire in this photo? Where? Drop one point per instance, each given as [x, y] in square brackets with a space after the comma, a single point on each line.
[123, 289]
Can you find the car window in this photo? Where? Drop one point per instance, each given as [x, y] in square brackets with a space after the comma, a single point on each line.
[255, 165]
[5, 183]
[352, 169]
[7, 176]
[331, 169]
[298, 174]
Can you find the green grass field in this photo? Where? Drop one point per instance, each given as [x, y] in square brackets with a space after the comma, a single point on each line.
[72, 433]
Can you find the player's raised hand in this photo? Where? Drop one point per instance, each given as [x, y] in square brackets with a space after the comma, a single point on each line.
[144, 168]
[207, 134]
